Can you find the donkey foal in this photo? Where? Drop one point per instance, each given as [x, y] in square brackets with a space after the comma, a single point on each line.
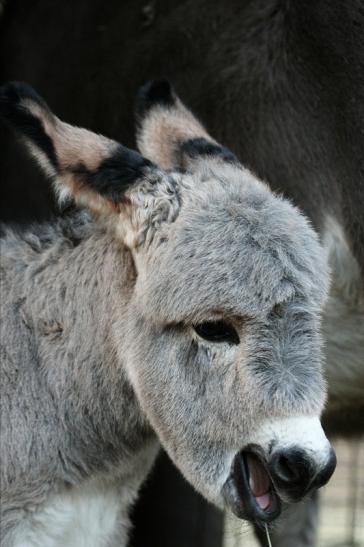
[185, 311]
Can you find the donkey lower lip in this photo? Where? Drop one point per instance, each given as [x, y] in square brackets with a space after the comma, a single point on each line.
[249, 490]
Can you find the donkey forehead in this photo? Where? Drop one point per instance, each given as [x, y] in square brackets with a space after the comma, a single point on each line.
[235, 248]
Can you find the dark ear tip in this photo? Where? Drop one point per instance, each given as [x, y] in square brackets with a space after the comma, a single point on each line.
[12, 95]
[154, 93]
[14, 92]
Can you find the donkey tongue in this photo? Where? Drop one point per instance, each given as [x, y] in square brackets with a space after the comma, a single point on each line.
[264, 501]
[259, 481]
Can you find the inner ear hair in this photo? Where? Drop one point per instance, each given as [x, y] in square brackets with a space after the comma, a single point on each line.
[169, 134]
[164, 123]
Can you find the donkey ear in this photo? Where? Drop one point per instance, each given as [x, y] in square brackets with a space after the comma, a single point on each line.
[94, 170]
[169, 134]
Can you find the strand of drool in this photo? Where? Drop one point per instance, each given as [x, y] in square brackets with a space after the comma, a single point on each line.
[267, 534]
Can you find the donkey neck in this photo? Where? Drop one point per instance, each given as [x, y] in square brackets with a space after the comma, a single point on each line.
[74, 287]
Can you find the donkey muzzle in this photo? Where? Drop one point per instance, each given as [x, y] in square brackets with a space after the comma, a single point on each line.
[283, 461]
[257, 486]
[295, 473]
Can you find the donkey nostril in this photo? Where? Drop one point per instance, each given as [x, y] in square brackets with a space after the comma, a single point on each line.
[295, 472]
[287, 469]
[291, 467]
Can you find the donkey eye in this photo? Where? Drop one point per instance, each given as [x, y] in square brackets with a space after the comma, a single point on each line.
[217, 331]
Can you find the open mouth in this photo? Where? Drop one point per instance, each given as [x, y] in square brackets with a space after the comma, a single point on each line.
[249, 491]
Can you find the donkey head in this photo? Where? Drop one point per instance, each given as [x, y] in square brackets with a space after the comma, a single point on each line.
[222, 345]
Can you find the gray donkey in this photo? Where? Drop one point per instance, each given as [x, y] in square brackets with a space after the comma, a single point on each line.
[185, 310]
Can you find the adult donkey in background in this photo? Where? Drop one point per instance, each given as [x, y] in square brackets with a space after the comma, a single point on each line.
[188, 311]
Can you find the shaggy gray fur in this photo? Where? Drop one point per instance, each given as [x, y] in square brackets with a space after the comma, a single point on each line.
[100, 357]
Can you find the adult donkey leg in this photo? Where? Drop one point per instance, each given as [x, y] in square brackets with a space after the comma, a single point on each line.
[297, 527]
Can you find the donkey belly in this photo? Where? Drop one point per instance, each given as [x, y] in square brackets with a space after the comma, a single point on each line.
[92, 515]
